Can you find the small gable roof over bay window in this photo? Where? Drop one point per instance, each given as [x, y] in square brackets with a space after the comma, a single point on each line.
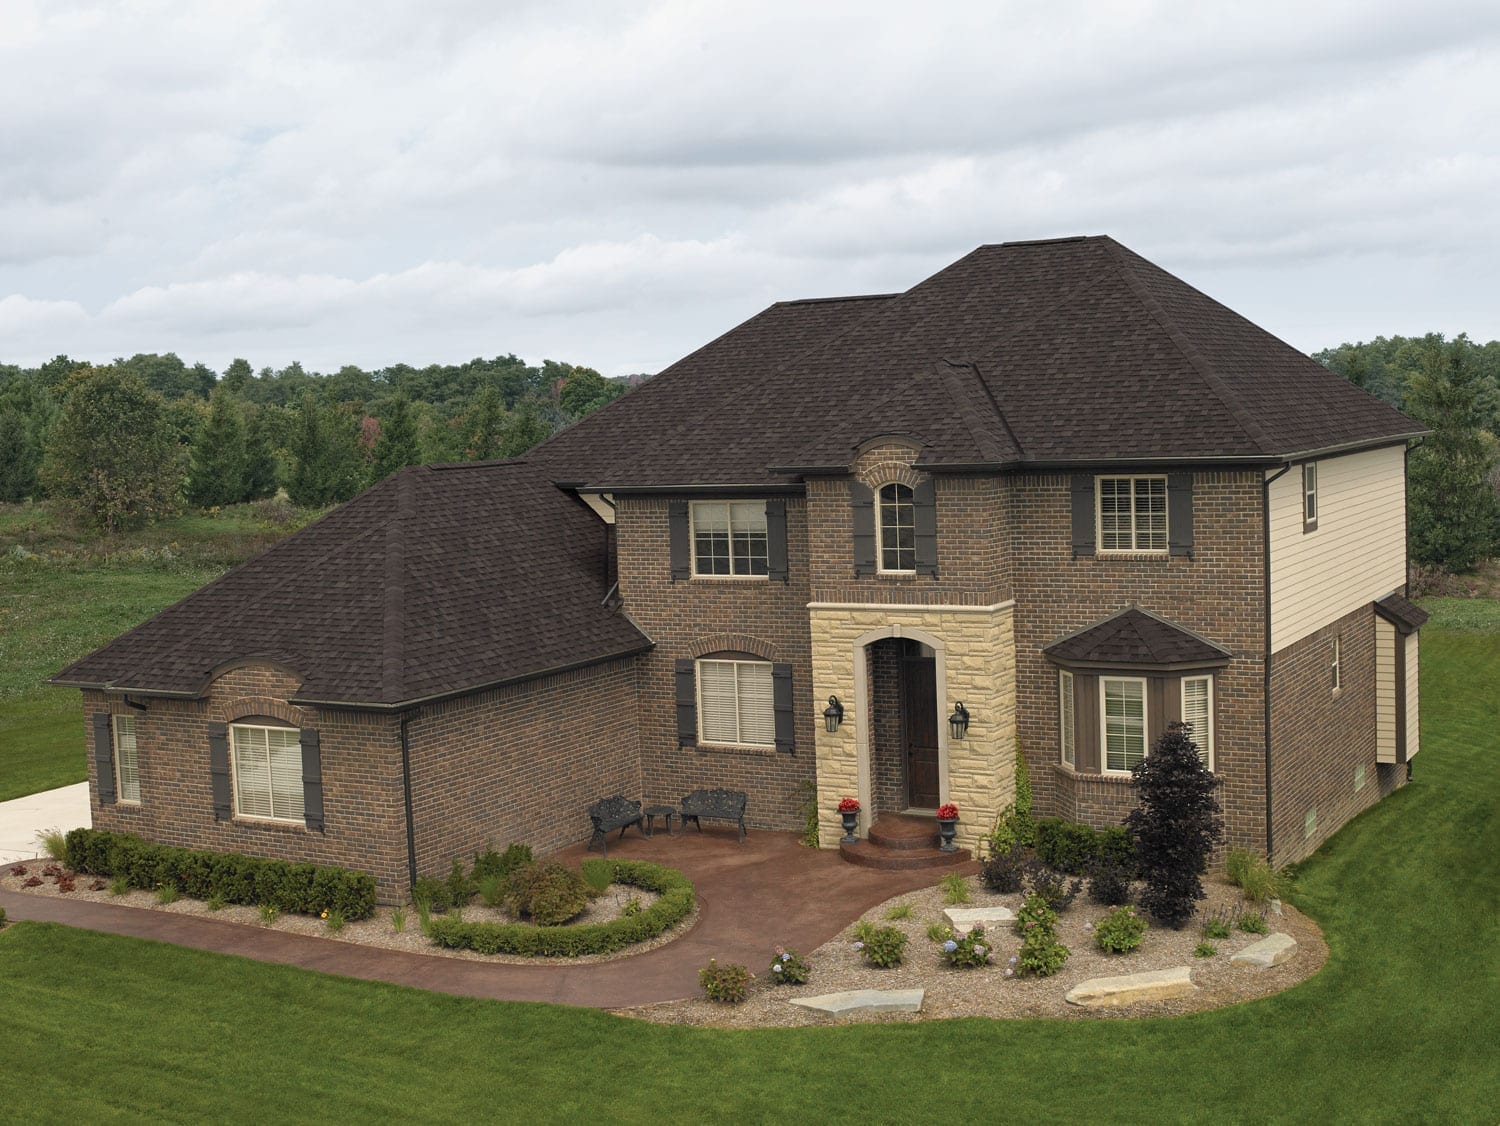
[1135, 639]
[437, 581]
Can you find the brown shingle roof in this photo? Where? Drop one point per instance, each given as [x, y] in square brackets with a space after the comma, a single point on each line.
[1136, 638]
[1405, 616]
[439, 580]
[1038, 353]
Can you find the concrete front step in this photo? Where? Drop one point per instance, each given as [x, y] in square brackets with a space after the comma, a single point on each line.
[900, 831]
[869, 855]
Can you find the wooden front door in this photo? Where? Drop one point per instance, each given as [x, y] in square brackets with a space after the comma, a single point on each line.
[919, 730]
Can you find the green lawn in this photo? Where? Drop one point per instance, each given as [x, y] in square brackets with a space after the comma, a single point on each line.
[1400, 1026]
[63, 593]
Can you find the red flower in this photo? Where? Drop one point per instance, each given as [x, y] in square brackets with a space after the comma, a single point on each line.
[948, 812]
[848, 805]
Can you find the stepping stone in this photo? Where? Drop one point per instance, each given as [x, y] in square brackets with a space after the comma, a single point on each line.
[1269, 951]
[1152, 985]
[865, 1001]
[962, 918]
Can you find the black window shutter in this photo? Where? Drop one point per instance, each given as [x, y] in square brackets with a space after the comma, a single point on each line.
[104, 757]
[781, 694]
[1083, 514]
[924, 515]
[862, 502]
[218, 766]
[687, 704]
[312, 779]
[677, 538]
[776, 540]
[1180, 513]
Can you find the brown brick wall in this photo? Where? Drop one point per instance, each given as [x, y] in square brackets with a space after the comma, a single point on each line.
[1322, 744]
[698, 616]
[522, 764]
[365, 825]
[887, 770]
[1218, 593]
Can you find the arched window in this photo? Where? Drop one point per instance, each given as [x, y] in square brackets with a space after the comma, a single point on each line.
[898, 530]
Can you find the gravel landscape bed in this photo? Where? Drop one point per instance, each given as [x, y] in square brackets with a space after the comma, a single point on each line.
[986, 991]
[378, 930]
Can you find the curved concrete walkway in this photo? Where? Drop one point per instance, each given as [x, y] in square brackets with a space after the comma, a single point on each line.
[751, 897]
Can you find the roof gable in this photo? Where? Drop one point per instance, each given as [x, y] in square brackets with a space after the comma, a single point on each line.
[1136, 638]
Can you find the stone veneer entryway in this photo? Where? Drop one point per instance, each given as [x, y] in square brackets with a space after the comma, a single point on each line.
[974, 652]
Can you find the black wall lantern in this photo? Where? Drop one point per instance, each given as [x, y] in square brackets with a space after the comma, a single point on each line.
[958, 722]
[833, 714]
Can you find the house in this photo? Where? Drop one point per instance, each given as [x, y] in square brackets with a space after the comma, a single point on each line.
[1052, 494]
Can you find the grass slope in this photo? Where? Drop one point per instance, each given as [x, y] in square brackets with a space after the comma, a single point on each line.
[63, 593]
[1401, 1025]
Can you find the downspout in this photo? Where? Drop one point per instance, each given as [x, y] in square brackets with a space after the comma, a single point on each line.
[1265, 541]
[411, 832]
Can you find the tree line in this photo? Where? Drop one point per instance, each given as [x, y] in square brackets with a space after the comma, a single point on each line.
[133, 441]
[1453, 482]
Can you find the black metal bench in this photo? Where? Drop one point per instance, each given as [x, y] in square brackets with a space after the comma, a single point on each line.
[721, 805]
[618, 812]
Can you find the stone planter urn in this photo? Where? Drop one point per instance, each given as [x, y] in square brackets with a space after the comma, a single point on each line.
[947, 819]
[849, 811]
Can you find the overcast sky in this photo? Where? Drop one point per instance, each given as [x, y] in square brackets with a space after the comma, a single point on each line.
[614, 185]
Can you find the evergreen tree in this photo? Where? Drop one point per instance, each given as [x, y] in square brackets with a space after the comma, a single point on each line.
[484, 428]
[1454, 510]
[397, 446]
[260, 458]
[525, 429]
[216, 474]
[1175, 825]
[325, 449]
[237, 376]
[113, 456]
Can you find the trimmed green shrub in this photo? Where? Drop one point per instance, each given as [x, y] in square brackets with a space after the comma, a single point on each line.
[433, 894]
[549, 894]
[1120, 931]
[1068, 846]
[726, 984]
[676, 902]
[306, 889]
[1117, 845]
[882, 946]
[789, 968]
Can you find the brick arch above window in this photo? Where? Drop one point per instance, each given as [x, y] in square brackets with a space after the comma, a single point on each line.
[740, 643]
[242, 708]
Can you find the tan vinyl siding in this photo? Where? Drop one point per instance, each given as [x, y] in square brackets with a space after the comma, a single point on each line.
[1385, 691]
[1413, 728]
[1357, 552]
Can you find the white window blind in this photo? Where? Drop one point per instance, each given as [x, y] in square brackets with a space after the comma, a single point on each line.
[1198, 713]
[1065, 717]
[127, 764]
[267, 772]
[730, 538]
[1132, 514]
[736, 704]
[1124, 723]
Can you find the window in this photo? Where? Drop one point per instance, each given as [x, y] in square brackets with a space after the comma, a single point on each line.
[730, 538]
[127, 770]
[736, 704]
[267, 772]
[898, 530]
[1124, 723]
[1132, 514]
[1065, 717]
[1336, 673]
[1198, 713]
[1309, 496]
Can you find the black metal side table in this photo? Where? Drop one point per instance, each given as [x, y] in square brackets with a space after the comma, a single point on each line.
[665, 812]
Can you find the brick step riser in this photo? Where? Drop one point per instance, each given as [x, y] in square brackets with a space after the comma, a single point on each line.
[902, 840]
[901, 860]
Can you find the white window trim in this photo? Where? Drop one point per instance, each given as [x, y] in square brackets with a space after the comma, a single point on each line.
[1099, 548]
[693, 546]
[1335, 666]
[880, 567]
[703, 739]
[120, 797]
[1067, 719]
[1104, 767]
[1310, 510]
[234, 778]
[1204, 739]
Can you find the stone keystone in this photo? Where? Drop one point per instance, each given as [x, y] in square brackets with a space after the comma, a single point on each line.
[865, 1001]
[1152, 985]
[1269, 951]
[965, 917]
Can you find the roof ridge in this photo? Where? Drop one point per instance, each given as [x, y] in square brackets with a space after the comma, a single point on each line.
[981, 437]
[393, 623]
[1190, 352]
[831, 300]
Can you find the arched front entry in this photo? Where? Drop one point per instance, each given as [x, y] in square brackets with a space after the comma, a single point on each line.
[900, 680]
